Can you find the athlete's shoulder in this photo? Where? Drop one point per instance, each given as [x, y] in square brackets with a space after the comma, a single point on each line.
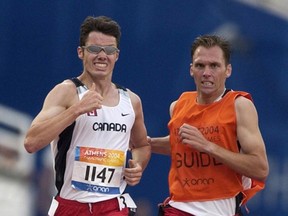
[62, 93]
[65, 86]
[240, 94]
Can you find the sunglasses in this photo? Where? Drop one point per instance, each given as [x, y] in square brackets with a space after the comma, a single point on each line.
[109, 50]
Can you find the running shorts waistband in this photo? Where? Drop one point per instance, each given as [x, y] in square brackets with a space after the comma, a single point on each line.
[74, 202]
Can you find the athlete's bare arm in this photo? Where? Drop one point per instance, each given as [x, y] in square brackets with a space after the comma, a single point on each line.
[141, 150]
[60, 109]
[252, 161]
[161, 145]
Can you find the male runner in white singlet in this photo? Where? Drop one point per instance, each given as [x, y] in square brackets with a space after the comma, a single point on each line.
[91, 123]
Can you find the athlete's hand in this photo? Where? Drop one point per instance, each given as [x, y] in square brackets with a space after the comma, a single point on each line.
[149, 140]
[133, 174]
[91, 101]
[190, 135]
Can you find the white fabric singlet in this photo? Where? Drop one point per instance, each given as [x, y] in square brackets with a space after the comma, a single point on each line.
[224, 207]
[97, 154]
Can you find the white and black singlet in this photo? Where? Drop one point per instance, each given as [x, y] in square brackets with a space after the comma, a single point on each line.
[90, 154]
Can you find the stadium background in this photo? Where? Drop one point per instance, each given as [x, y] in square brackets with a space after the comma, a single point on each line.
[38, 41]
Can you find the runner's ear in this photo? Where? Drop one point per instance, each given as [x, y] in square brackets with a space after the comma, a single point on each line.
[80, 52]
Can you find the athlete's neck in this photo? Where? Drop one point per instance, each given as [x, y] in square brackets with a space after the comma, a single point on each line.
[202, 100]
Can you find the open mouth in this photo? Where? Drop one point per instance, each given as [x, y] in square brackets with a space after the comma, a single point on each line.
[207, 83]
[100, 65]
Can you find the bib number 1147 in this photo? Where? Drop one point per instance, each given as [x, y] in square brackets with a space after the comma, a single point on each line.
[94, 174]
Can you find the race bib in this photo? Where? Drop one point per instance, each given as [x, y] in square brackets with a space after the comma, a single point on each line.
[53, 207]
[98, 170]
[125, 201]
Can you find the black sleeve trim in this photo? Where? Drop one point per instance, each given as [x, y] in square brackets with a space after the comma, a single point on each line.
[60, 160]
[120, 87]
[76, 81]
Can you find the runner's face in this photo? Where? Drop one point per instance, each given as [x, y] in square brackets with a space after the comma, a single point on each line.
[209, 71]
[98, 64]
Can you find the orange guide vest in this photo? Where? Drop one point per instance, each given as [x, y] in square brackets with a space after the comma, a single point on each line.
[194, 175]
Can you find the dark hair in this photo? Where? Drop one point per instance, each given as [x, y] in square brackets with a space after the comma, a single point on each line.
[209, 41]
[101, 24]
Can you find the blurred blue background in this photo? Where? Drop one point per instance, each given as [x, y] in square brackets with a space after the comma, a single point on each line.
[38, 41]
